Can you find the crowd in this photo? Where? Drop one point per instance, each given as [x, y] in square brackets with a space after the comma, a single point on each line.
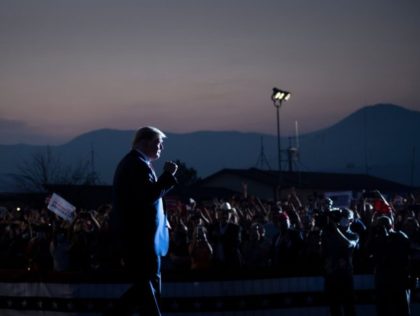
[286, 236]
[246, 234]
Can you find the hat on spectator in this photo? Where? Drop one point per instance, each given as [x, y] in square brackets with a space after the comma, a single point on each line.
[226, 206]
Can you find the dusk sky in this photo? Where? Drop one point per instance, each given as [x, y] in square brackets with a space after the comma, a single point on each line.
[69, 67]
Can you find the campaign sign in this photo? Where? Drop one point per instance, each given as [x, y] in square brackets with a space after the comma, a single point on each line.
[61, 207]
[340, 199]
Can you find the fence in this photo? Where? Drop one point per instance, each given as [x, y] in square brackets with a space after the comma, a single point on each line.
[69, 295]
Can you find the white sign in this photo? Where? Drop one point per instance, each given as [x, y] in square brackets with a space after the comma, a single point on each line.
[61, 207]
[340, 199]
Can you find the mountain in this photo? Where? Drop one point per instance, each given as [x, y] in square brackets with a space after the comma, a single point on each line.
[380, 140]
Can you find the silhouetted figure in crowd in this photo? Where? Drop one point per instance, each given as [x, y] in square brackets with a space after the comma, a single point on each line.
[200, 250]
[178, 258]
[225, 237]
[39, 257]
[311, 254]
[140, 222]
[288, 246]
[59, 249]
[338, 244]
[271, 226]
[411, 227]
[256, 250]
[391, 255]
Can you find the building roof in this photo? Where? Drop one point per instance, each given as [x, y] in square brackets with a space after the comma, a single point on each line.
[325, 181]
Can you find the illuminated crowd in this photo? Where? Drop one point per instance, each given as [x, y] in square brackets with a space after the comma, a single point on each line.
[236, 234]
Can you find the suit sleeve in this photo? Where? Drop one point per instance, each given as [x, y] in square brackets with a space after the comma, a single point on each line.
[152, 190]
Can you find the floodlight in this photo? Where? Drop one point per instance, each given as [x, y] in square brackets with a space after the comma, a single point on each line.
[278, 96]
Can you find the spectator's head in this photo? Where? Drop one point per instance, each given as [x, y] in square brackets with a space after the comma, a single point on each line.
[410, 226]
[224, 212]
[191, 205]
[226, 206]
[327, 204]
[284, 221]
[255, 231]
[368, 208]
[346, 218]
[149, 140]
[384, 222]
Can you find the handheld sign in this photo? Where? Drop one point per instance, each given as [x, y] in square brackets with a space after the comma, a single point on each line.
[61, 207]
[341, 198]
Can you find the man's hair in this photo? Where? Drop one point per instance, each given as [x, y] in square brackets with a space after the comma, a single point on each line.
[147, 133]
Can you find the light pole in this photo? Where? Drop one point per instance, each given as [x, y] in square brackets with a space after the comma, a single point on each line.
[278, 96]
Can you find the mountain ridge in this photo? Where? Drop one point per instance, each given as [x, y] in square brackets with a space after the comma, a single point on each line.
[379, 140]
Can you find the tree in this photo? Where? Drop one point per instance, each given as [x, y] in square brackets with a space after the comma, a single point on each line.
[186, 176]
[45, 167]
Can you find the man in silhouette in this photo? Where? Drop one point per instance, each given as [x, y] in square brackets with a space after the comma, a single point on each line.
[225, 236]
[140, 222]
[338, 243]
[391, 255]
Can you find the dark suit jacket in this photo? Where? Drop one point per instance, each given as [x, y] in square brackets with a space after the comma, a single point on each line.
[138, 218]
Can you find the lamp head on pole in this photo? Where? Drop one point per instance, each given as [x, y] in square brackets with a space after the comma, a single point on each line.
[278, 96]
